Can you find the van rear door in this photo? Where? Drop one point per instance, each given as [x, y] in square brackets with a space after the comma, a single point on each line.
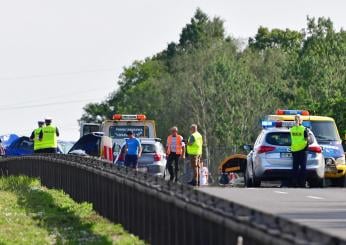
[141, 129]
[88, 128]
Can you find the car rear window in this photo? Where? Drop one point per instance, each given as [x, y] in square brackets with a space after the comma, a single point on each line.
[149, 148]
[279, 138]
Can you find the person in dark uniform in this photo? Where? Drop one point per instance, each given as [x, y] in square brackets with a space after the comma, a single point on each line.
[299, 146]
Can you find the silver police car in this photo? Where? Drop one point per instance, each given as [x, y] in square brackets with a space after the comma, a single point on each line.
[270, 159]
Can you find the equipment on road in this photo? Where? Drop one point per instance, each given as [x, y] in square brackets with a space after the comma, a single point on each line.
[327, 135]
[232, 169]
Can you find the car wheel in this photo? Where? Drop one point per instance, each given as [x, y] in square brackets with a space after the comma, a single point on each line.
[256, 182]
[247, 179]
[340, 182]
[316, 183]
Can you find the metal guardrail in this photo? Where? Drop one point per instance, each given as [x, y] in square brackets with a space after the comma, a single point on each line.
[157, 211]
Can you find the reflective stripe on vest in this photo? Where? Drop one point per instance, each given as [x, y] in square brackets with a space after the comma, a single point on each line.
[178, 144]
[298, 141]
[197, 147]
[37, 142]
[49, 139]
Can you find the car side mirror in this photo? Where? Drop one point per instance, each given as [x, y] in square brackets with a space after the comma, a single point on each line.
[248, 148]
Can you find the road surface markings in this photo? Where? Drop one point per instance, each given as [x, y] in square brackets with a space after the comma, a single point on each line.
[281, 192]
[314, 197]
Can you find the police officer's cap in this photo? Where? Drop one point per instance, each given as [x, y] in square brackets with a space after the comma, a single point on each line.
[40, 122]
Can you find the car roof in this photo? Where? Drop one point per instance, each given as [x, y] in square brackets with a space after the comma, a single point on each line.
[305, 118]
[274, 129]
[148, 142]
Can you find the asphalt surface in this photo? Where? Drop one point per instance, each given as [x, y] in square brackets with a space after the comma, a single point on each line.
[323, 209]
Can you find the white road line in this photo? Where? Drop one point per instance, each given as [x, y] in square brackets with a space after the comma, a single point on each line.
[314, 197]
[281, 192]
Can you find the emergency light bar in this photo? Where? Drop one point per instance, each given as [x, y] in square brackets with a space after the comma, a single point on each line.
[120, 117]
[292, 112]
[283, 124]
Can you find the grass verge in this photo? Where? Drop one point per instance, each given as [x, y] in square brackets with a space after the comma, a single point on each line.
[33, 214]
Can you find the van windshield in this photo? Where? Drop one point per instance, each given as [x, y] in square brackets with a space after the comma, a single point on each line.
[325, 131]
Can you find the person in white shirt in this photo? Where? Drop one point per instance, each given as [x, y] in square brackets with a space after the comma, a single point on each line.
[204, 175]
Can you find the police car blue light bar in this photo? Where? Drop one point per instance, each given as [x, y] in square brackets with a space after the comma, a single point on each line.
[292, 112]
[283, 124]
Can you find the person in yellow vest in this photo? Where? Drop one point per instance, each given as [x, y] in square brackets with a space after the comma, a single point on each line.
[299, 146]
[194, 150]
[49, 137]
[35, 136]
[175, 149]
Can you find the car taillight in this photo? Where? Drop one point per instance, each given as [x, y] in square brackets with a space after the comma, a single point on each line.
[157, 157]
[264, 149]
[316, 149]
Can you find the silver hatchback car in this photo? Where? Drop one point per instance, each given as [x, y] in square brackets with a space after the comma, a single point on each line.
[270, 159]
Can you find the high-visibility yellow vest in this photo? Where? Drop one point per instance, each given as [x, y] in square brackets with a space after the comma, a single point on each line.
[49, 139]
[298, 141]
[197, 147]
[37, 142]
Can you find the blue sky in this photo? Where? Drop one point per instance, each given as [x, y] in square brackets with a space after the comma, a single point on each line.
[57, 55]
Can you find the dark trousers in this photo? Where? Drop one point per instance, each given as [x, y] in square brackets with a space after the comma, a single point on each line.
[299, 168]
[38, 151]
[49, 150]
[131, 161]
[173, 172]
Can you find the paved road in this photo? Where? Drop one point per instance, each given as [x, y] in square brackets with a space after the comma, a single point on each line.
[324, 209]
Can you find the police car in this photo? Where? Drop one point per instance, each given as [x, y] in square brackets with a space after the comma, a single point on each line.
[327, 135]
[270, 159]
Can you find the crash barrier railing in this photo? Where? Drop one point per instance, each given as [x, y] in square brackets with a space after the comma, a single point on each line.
[157, 211]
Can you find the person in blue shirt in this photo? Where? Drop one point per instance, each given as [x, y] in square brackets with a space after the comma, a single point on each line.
[133, 151]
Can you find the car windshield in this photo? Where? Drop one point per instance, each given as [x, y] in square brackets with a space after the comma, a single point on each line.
[279, 138]
[148, 148]
[325, 131]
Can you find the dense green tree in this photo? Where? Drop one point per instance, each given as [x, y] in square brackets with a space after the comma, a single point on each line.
[208, 79]
[276, 38]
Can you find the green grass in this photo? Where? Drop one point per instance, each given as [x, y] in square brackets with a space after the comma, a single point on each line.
[32, 214]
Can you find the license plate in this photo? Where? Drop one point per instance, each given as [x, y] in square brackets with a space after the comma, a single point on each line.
[143, 170]
[286, 155]
[331, 170]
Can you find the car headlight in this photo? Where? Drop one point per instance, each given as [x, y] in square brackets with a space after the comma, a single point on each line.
[340, 161]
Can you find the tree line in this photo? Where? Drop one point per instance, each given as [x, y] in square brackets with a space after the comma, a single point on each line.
[211, 79]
